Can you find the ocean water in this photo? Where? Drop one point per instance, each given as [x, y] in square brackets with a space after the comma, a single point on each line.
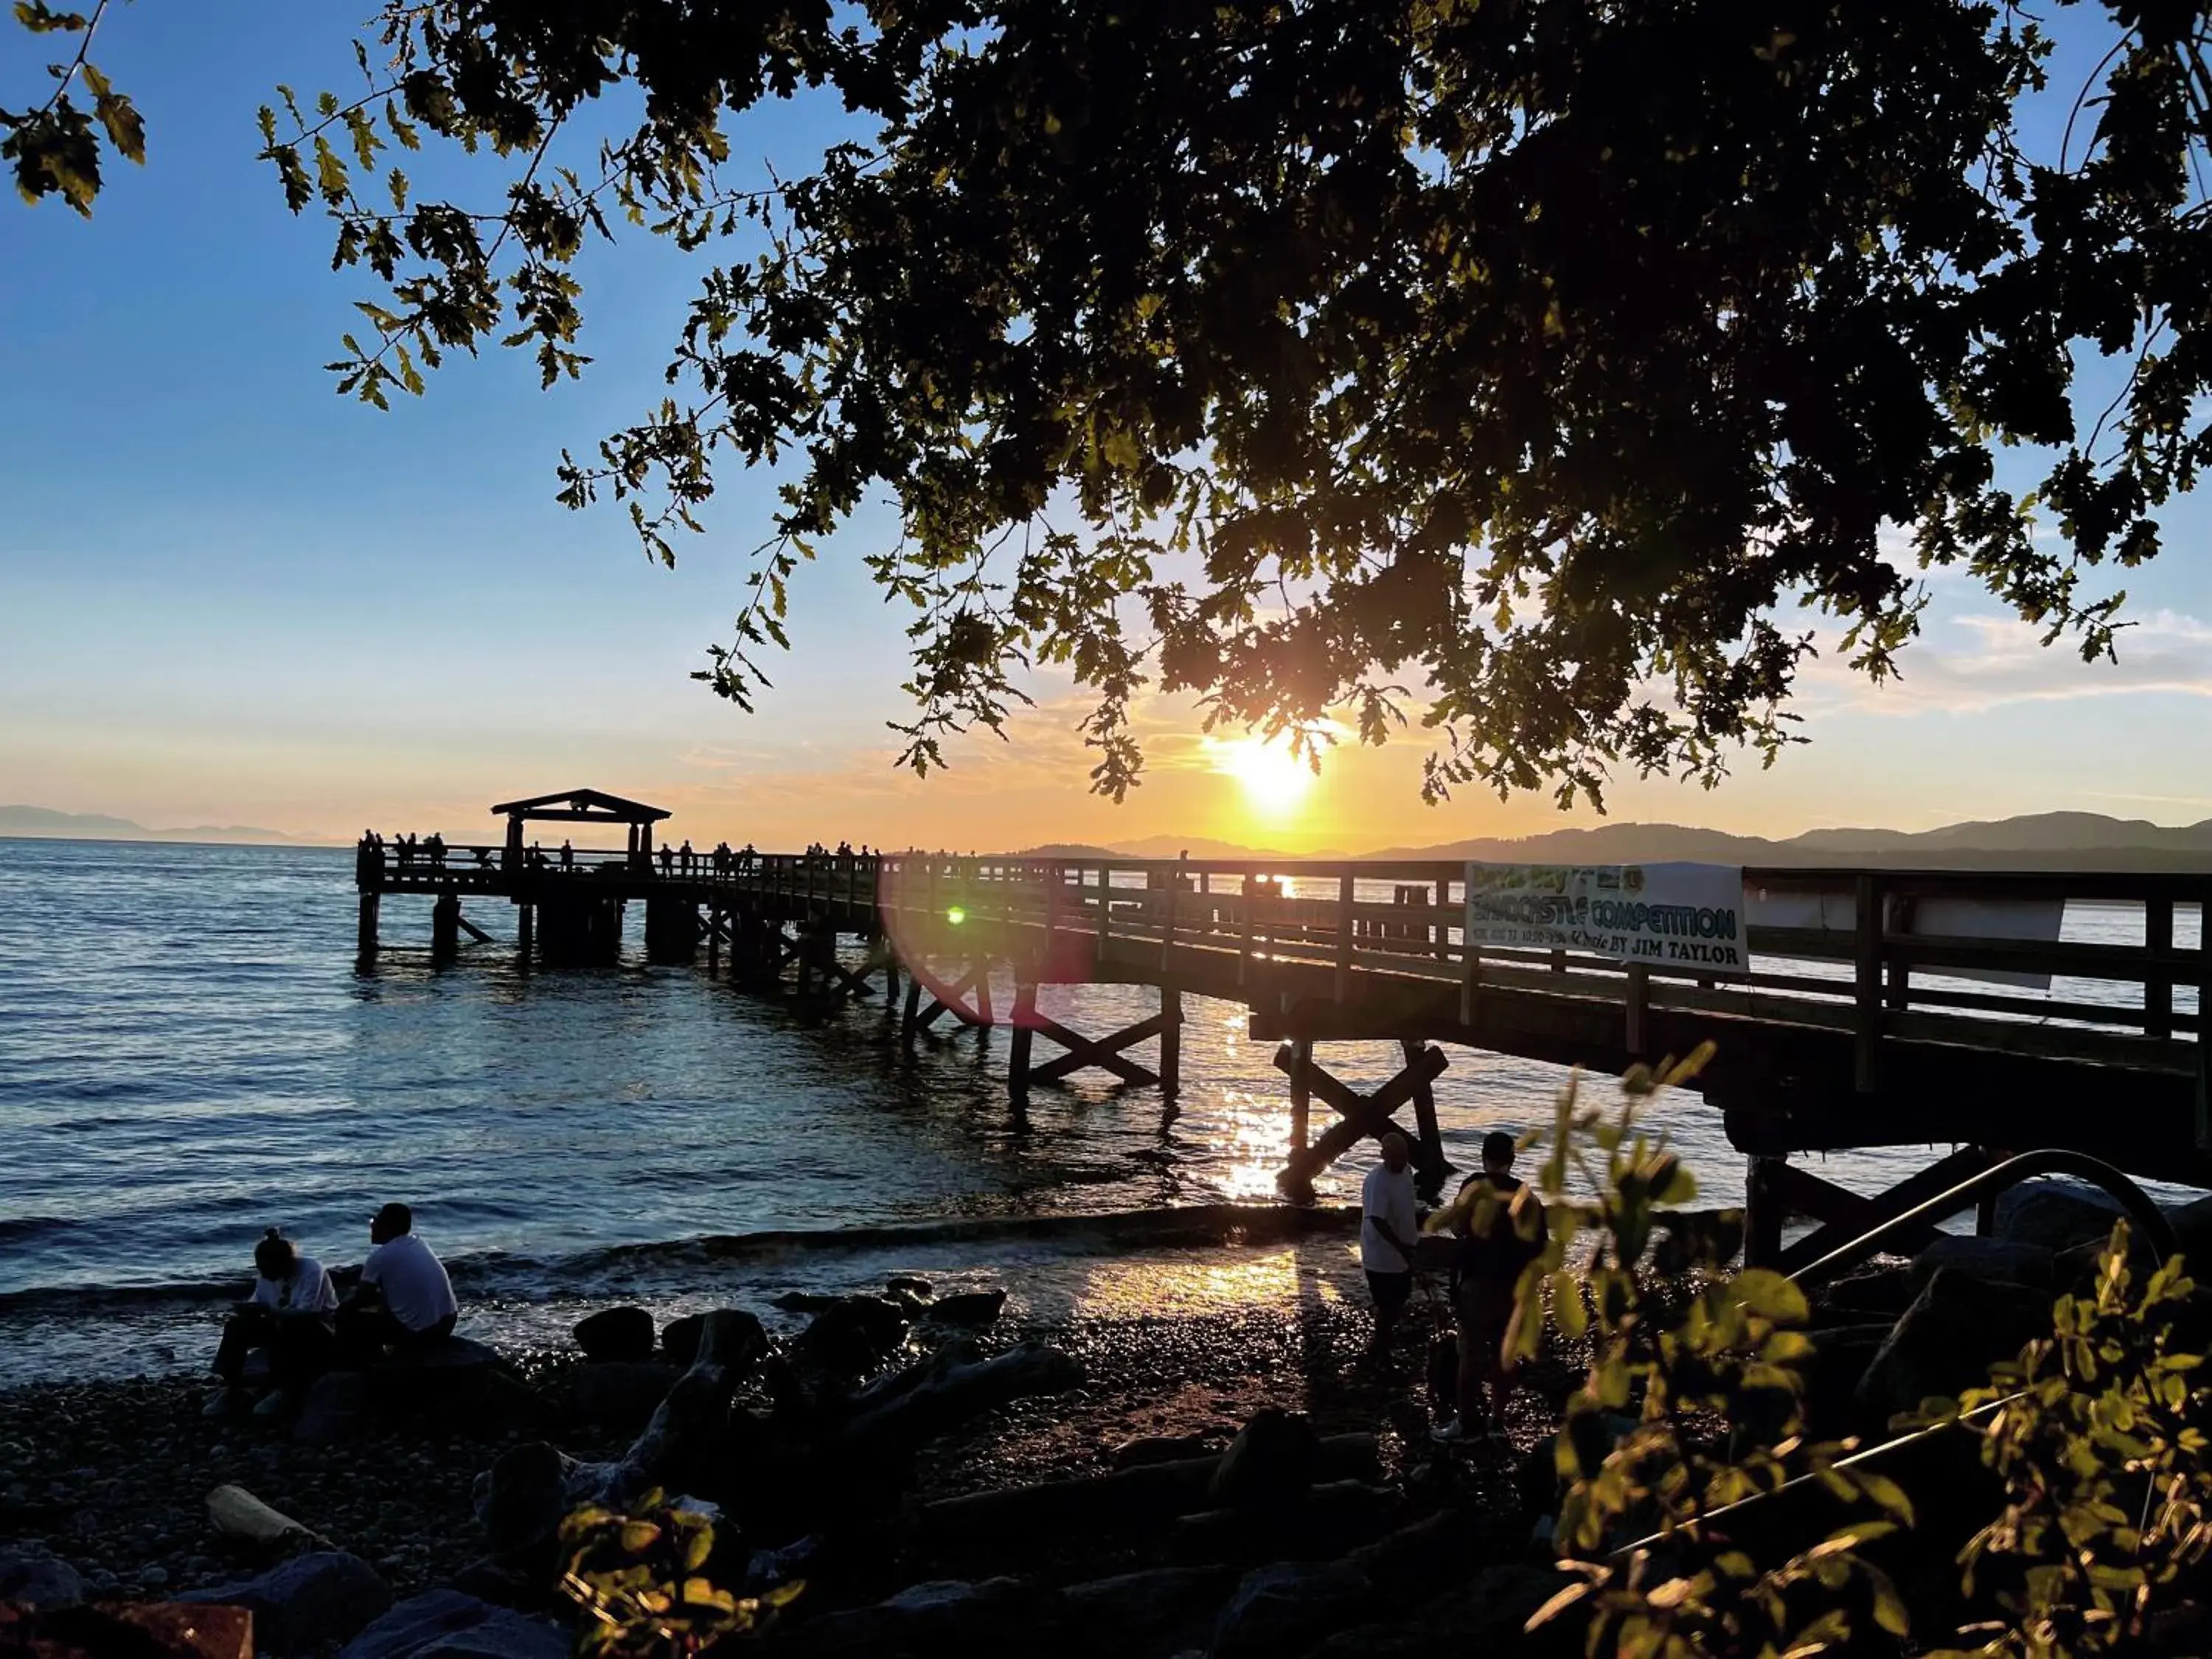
[188, 1055]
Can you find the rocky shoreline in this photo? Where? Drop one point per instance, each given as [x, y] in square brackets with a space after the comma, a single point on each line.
[1132, 1484]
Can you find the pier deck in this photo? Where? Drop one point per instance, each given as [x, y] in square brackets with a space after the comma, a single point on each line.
[1856, 1033]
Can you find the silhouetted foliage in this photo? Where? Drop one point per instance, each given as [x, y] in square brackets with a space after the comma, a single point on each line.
[2099, 1432]
[53, 146]
[641, 1580]
[1514, 367]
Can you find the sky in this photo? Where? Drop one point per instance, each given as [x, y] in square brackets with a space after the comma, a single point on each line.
[229, 596]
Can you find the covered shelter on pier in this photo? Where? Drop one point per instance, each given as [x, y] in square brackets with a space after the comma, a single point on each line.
[583, 806]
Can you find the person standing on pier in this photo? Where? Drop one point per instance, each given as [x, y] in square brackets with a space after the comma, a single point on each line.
[1499, 1228]
[568, 855]
[406, 1299]
[1388, 1226]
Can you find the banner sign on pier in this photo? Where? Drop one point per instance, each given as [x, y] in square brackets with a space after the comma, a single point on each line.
[1664, 916]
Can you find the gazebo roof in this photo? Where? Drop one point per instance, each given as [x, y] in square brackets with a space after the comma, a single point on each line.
[583, 806]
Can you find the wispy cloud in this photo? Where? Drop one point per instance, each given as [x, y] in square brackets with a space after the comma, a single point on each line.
[1972, 663]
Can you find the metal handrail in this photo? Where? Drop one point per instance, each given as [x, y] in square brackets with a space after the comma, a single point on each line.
[2053, 1160]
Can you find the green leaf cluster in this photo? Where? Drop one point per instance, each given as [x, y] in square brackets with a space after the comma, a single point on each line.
[1690, 1407]
[2100, 1433]
[1515, 369]
[641, 1579]
[53, 148]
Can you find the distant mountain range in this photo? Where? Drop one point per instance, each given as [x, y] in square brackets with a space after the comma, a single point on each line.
[2040, 840]
[43, 821]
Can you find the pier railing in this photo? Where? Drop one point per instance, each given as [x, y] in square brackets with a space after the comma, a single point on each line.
[1871, 967]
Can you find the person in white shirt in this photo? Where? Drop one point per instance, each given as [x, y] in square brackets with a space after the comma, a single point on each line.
[406, 1299]
[1388, 1224]
[289, 1313]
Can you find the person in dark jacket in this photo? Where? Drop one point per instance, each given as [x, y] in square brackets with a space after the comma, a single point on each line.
[1499, 1230]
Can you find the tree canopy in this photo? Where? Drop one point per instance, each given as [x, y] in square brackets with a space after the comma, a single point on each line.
[1540, 371]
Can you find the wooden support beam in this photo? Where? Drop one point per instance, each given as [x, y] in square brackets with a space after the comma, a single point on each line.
[1866, 955]
[469, 927]
[1846, 1215]
[945, 999]
[1102, 1052]
[1429, 1150]
[1763, 1210]
[1025, 1014]
[1361, 1115]
[525, 933]
[909, 1021]
[1300, 1070]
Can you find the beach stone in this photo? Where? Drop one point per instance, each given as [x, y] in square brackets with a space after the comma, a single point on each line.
[617, 1393]
[2055, 1214]
[455, 1381]
[1270, 1461]
[1866, 1294]
[679, 1339]
[974, 1308]
[992, 1615]
[305, 1604]
[445, 1624]
[1141, 1608]
[33, 1578]
[333, 1409]
[2006, 1260]
[1831, 1372]
[1286, 1606]
[615, 1333]
[1483, 1615]
[1160, 1448]
[852, 1334]
[2192, 1231]
[1948, 1340]
[907, 1285]
[522, 1498]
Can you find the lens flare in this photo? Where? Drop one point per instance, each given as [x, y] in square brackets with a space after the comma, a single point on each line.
[1274, 781]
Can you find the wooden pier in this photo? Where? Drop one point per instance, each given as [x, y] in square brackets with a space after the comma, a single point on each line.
[1836, 1040]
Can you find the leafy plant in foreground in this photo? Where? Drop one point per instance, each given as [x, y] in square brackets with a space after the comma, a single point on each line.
[641, 1579]
[1686, 1410]
[2098, 1433]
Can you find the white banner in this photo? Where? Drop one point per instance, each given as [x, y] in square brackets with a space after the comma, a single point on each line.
[1665, 915]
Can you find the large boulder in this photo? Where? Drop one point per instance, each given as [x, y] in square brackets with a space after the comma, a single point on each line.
[853, 1334]
[2055, 1214]
[617, 1394]
[679, 1339]
[616, 1334]
[1286, 1606]
[2192, 1233]
[2004, 1260]
[305, 1604]
[522, 1498]
[944, 1616]
[1140, 1609]
[33, 1578]
[1948, 1340]
[333, 1410]
[1485, 1615]
[973, 1309]
[435, 1378]
[1270, 1462]
[445, 1624]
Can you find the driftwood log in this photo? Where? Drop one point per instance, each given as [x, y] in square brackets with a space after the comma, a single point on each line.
[689, 1426]
[1147, 1491]
[236, 1513]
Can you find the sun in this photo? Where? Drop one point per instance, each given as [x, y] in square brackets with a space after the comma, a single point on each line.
[1274, 781]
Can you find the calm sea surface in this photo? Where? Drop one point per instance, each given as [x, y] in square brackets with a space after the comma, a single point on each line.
[188, 1056]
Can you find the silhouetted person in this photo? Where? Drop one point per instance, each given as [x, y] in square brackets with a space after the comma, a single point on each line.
[687, 856]
[667, 858]
[1388, 1226]
[1500, 1231]
[568, 856]
[404, 1300]
[287, 1313]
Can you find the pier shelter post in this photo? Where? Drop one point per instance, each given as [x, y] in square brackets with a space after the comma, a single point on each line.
[365, 937]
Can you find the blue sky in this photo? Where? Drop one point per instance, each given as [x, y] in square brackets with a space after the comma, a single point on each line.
[228, 595]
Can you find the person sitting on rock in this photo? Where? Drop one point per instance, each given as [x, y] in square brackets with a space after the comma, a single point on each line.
[406, 1301]
[289, 1314]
